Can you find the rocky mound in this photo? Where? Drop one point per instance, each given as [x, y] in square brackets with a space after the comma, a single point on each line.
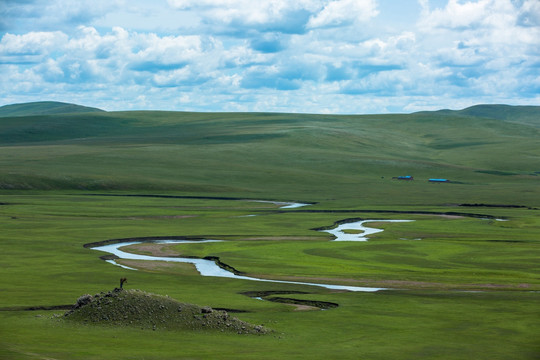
[149, 311]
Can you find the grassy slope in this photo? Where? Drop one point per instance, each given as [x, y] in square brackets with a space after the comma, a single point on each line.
[335, 160]
[43, 108]
[331, 156]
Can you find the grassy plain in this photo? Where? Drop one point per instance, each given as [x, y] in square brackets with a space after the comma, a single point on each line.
[469, 285]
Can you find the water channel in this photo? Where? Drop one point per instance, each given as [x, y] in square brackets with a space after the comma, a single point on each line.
[210, 268]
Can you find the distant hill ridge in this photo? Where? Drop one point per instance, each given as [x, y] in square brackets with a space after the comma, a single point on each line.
[492, 111]
[515, 113]
[44, 108]
[232, 154]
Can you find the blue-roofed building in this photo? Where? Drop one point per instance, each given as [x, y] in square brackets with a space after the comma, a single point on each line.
[439, 180]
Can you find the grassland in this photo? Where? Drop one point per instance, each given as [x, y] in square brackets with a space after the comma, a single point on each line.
[469, 284]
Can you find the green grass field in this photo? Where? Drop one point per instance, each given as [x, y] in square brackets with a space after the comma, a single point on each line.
[467, 285]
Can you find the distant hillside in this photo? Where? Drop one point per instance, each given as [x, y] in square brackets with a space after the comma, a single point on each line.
[44, 108]
[520, 114]
[291, 156]
[502, 112]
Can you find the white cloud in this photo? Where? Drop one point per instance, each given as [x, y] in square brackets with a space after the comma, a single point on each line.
[530, 13]
[246, 11]
[342, 12]
[280, 15]
[393, 49]
[274, 55]
[32, 43]
[45, 15]
[242, 56]
[456, 14]
[479, 40]
[167, 50]
[480, 14]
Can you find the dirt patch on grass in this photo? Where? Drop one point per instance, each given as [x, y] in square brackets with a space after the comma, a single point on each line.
[152, 249]
[160, 266]
[278, 238]
[298, 307]
[452, 216]
[161, 217]
[401, 284]
[398, 284]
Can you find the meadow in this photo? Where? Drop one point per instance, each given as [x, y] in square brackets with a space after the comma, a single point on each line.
[462, 283]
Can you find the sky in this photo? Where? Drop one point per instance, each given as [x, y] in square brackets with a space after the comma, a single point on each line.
[302, 56]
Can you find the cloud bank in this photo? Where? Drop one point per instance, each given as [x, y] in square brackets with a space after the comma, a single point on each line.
[317, 56]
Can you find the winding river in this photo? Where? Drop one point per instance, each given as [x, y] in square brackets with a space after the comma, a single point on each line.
[210, 268]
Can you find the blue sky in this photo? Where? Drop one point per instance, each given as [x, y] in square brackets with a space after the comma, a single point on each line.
[309, 56]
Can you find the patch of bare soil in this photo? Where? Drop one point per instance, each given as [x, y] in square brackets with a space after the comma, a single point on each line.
[160, 266]
[395, 284]
[151, 249]
[298, 307]
[442, 286]
[161, 217]
[279, 238]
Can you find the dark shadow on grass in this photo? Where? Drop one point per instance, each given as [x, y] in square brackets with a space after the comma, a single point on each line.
[269, 296]
[37, 308]
[446, 213]
[195, 197]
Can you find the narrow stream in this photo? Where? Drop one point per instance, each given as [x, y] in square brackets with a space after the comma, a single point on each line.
[210, 268]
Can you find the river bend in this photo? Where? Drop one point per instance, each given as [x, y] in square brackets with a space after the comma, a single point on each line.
[210, 268]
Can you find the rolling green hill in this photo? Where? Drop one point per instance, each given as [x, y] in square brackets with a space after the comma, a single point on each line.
[266, 153]
[520, 114]
[44, 108]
